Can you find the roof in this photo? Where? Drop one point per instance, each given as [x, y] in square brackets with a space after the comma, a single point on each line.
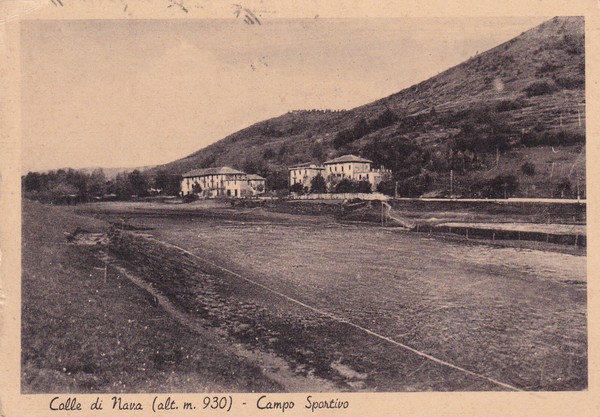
[212, 171]
[306, 165]
[255, 177]
[347, 158]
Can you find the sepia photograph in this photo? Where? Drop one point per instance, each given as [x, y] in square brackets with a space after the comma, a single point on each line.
[255, 204]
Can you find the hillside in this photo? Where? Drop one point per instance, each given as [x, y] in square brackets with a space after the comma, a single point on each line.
[517, 109]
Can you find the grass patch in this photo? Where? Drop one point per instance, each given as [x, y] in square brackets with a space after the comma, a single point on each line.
[81, 334]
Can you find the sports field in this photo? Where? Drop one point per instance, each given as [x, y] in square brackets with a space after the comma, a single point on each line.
[370, 309]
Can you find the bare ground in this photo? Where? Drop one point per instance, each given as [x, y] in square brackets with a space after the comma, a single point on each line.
[513, 315]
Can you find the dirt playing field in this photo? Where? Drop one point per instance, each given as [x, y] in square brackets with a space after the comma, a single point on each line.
[366, 308]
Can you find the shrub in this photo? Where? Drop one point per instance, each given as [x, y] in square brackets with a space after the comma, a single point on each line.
[528, 169]
[539, 88]
[508, 105]
[363, 127]
[501, 186]
[318, 185]
[414, 186]
[563, 188]
[188, 198]
[574, 45]
[345, 186]
[542, 137]
[547, 67]
[297, 188]
[268, 153]
[570, 83]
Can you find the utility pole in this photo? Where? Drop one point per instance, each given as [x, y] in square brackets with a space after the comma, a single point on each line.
[578, 196]
[497, 155]
[451, 185]
[396, 191]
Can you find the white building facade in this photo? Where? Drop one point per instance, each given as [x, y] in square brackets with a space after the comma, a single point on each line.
[354, 168]
[222, 182]
[304, 174]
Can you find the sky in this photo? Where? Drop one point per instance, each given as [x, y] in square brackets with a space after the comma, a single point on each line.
[131, 93]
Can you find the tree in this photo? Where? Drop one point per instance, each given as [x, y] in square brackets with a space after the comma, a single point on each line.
[387, 187]
[32, 182]
[318, 151]
[97, 183]
[169, 184]
[268, 154]
[276, 179]
[297, 188]
[318, 185]
[123, 187]
[196, 188]
[138, 183]
[345, 186]
[363, 186]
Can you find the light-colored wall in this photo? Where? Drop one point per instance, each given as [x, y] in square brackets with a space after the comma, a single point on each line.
[346, 169]
[374, 177]
[213, 185]
[304, 175]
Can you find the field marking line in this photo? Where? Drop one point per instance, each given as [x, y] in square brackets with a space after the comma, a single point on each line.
[342, 320]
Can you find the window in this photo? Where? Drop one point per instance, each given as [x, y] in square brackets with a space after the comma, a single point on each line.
[342, 168]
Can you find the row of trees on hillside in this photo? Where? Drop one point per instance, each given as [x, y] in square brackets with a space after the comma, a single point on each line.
[70, 186]
[318, 185]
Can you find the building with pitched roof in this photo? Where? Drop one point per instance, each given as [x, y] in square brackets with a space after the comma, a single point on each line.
[346, 166]
[304, 174]
[354, 168]
[221, 182]
[350, 167]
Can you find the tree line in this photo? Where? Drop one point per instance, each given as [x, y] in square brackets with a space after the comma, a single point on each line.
[67, 186]
[318, 185]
